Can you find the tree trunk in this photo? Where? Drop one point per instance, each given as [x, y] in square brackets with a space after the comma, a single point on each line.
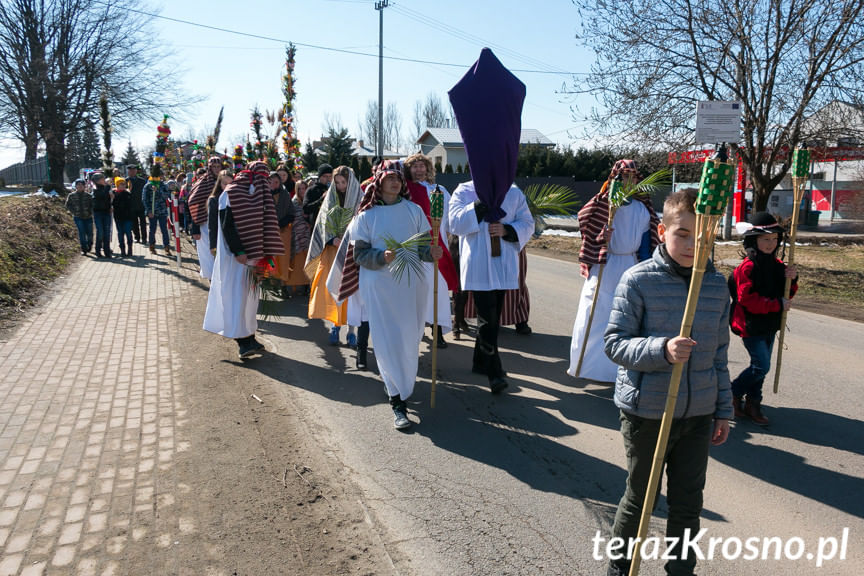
[56, 152]
[31, 146]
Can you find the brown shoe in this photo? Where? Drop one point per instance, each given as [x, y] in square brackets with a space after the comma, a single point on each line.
[753, 410]
[738, 406]
[168, 252]
[152, 249]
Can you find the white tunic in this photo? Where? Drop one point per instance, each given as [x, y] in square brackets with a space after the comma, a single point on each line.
[396, 309]
[232, 303]
[205, 257]
[445, 319]
[478, 269]
[630, 224]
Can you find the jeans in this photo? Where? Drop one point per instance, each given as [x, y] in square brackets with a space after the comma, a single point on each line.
[686, 463]
[749, 382]
[163, 225]
[486, 357]
[103, 232]
[124, 234]
[85, 233]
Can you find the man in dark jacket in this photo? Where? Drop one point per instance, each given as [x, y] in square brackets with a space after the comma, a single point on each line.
[136, 186]
[315, 194]
[102, 197]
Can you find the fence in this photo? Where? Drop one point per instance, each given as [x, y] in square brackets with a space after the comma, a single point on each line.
[32, 173]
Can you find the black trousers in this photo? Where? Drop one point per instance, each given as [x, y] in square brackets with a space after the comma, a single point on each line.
[486, 359]
[139, 226]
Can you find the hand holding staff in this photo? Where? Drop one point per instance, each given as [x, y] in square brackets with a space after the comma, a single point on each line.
[715, 188]
[436, 213]
[800, 174]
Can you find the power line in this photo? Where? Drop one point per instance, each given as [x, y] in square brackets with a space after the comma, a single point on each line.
[330, 48]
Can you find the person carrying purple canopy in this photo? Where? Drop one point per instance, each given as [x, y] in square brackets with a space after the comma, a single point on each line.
[487, 103]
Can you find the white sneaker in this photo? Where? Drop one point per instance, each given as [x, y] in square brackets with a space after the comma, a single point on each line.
[400, 420]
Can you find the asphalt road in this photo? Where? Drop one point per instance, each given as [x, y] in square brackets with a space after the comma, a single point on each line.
[520, 484]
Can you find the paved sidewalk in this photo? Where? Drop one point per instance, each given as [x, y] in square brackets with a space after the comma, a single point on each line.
[91, 420]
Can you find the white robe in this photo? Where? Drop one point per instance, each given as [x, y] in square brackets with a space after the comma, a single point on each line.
[396, 310]
[445, 318]
[478, 270]
[630, 224]
[205, 257]
[232, 303]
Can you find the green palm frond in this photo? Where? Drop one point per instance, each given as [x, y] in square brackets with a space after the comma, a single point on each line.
[547, 199]
[338, 219]
[407, 255]
[646, 187]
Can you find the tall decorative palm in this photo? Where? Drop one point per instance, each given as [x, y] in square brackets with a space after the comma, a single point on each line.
[549, 200]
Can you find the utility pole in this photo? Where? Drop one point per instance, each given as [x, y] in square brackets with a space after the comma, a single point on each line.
[379, 6]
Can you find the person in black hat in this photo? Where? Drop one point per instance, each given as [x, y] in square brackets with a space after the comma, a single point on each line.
[136, 186]
[757, 286]
[315, 194]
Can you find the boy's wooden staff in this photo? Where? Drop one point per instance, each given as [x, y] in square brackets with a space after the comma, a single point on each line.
[715, 188]
[436, 213]
[800, 174]
[613, 207]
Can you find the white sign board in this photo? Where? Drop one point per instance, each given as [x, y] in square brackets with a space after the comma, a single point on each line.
[718, 122]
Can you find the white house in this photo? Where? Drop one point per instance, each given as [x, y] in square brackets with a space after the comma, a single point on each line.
[444, 145]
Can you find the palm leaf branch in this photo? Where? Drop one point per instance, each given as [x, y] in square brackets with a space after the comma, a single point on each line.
[337, 221]
[406, 258]
[547, 199]
[646, 187]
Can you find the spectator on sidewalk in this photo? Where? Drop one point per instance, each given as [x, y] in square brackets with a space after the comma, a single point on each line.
[156, 204]
[124, 215]
[136, 184]
[102, 197]
[80, 204]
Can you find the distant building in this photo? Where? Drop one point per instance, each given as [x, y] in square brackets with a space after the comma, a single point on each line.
[444, 145]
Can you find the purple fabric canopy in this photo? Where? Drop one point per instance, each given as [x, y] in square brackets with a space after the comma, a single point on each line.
[487, 102]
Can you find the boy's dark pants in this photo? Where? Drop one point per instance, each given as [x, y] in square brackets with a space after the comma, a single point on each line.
[686, 462]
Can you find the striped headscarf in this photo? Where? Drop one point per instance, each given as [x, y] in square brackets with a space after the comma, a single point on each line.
[254, 213]
[201, 189]
[320, 237]
[594, 216]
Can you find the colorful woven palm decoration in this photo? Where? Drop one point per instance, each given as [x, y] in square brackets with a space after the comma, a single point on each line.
[715, 187]
[801, 163]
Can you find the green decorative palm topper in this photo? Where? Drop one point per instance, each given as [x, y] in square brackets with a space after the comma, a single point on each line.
[436, 208]
[715, 188]
[801, 163]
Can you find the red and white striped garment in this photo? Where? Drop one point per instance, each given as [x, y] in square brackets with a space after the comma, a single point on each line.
[254, 212]
[517, 303]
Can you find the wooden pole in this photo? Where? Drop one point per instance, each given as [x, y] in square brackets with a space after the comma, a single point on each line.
[436, 212]
[800, 173]
[714, 190]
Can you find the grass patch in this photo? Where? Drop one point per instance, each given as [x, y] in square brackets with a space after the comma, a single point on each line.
[38, 240]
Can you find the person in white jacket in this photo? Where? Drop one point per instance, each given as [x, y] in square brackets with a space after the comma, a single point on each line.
[485, 275]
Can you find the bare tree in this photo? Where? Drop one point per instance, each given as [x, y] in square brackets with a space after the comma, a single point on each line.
[433, 111]
[392, 126]
[59, 55]
[783, 60]
[417, 120]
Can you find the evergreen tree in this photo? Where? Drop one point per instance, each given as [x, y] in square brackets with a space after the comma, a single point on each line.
[310, 159]
[365, 169]
[355, 165]
[448, 169]
[437, 167]
[130, 156]
[338, 147]
[459, 168]
[82, 150]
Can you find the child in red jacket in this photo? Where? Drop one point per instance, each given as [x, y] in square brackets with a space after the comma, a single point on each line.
[759, 283]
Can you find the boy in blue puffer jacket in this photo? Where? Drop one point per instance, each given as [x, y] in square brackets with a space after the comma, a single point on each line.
[642, 338]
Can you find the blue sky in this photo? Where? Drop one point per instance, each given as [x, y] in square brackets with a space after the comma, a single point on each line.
[240, 72]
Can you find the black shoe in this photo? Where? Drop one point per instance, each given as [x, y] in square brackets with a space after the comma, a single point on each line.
[83, 252]
[441, 342]
[523, 329]
[361, 359]
[255, 344]
[497, 384]
[246, 349]
[99, 255]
